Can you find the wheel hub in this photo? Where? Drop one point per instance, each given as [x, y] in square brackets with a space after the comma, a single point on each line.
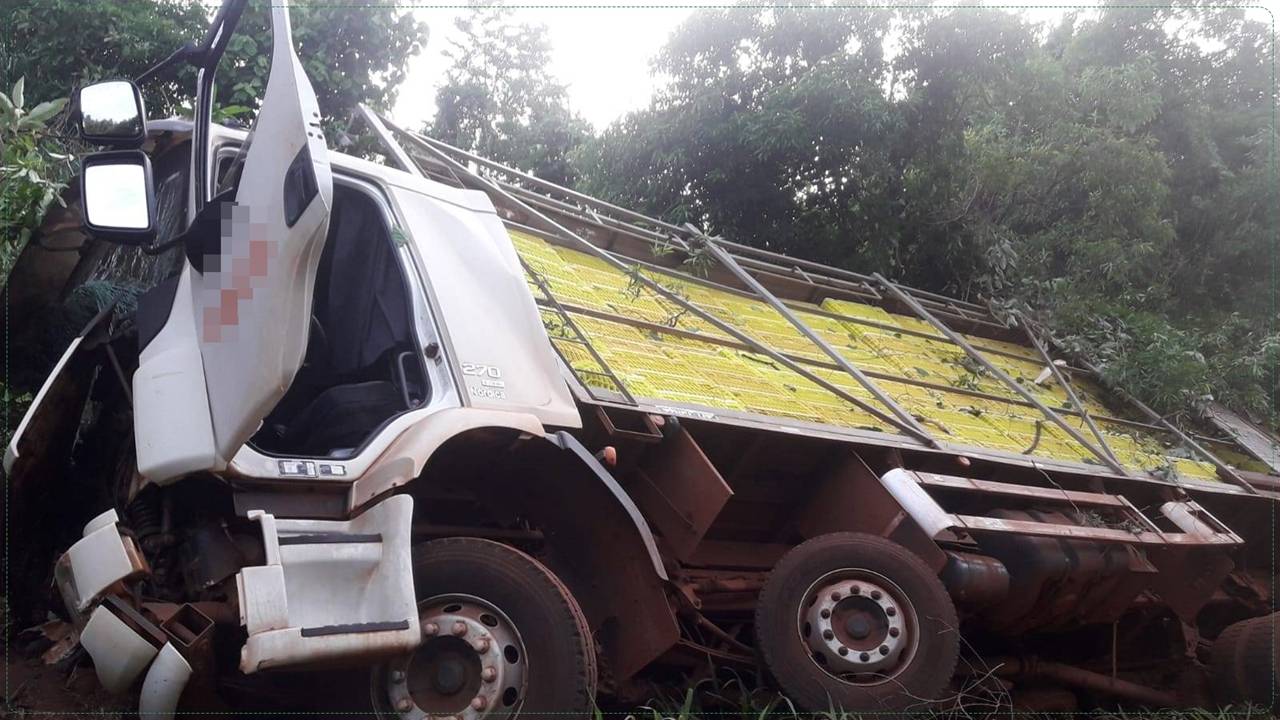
[470, 666]
[857, 624]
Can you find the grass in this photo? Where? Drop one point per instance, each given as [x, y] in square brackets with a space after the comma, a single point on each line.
[773, 706]
[726, 695]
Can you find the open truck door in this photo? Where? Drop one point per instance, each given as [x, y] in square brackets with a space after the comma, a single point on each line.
[235, 320]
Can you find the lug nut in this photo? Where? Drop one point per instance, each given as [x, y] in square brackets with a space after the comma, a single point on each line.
[481, 645]
[825, 613]
[459, 628]
[855, 590]
[894, 632]
[843, 650]
[827, 635]
[875, 594]
[835, 596]
[864, 657]
[479, 703]
[488, 674]
[884, 649]
[891, 611]
[404, 704]
[430, 629]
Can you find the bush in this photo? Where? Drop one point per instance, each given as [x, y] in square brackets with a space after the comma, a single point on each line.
[34, 168]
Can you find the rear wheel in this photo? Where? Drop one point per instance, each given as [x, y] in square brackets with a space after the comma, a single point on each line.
[1244, 662]
[502, 637]
[849, 621]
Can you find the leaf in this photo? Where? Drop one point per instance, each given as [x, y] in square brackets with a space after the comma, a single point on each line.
[44, 111]
[16, 95]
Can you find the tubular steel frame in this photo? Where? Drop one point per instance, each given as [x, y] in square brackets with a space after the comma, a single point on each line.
[536, 197]
[1061, 377]
[920, 311]
[763, 293]
[654, 286]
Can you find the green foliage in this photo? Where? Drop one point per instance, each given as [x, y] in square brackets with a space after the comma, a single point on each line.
[768, 132]
[499, 99]
[58, 45]
[1115, 173]
[352, 53]
[33, 169]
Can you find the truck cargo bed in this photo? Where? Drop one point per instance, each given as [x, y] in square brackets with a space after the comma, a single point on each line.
[649, 348]
[665, 319]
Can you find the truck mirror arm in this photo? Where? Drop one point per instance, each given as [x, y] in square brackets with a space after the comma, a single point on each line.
[207, 54]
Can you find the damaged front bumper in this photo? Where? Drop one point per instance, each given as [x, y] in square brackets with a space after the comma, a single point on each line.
[329, 592]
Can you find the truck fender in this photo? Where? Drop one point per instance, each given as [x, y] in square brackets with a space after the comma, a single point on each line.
[597, 543]
[409, 449]
[565, 441]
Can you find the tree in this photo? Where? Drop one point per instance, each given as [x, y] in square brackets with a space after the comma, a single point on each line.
[58, 45]
[774, 130]
[1116, 174]
[353, 53]
[500, 100]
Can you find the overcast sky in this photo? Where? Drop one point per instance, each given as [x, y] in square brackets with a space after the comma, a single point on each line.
[601, 54]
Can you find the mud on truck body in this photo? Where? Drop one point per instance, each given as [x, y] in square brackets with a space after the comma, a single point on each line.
[505, 447]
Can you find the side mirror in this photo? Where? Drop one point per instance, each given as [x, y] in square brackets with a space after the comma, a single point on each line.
[111, 113]
[116, 196]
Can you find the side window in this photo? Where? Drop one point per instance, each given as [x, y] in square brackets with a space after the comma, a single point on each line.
[362, 365]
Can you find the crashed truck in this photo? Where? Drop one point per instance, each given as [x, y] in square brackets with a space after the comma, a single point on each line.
[495, 448]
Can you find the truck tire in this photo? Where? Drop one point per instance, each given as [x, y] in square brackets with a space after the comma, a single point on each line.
[502, 638]
[1244, 662]
[854, 622]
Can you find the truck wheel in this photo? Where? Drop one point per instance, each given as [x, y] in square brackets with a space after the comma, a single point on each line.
[855, 622]
[1244, 662]
[502, 637]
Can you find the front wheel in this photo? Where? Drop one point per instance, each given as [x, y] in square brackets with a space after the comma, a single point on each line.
[502, 638]
[849, 621]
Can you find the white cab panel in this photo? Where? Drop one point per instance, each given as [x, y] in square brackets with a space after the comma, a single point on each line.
[491, 323]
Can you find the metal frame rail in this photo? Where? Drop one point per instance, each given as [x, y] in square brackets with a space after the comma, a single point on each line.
[763, 293]
[1195, 525]
[1223, 469]
[579, 339]
[656, 287]
[1065, 384]
[915, 306]
[607, 214]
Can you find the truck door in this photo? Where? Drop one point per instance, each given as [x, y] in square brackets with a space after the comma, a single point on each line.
[253, 303]
[237, 328]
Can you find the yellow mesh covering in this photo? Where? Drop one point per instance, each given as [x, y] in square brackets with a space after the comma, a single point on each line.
[669, 355]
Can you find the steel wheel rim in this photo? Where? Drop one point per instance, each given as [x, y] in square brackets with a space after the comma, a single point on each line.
[858, 626]
[471, 665]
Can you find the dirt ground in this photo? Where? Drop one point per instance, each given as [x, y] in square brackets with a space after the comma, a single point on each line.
[69, 689]
[32, 688]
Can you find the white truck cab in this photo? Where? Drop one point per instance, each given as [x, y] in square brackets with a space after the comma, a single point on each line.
[332, 323]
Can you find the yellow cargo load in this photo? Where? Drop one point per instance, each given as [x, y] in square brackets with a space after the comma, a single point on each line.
[663, 354]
